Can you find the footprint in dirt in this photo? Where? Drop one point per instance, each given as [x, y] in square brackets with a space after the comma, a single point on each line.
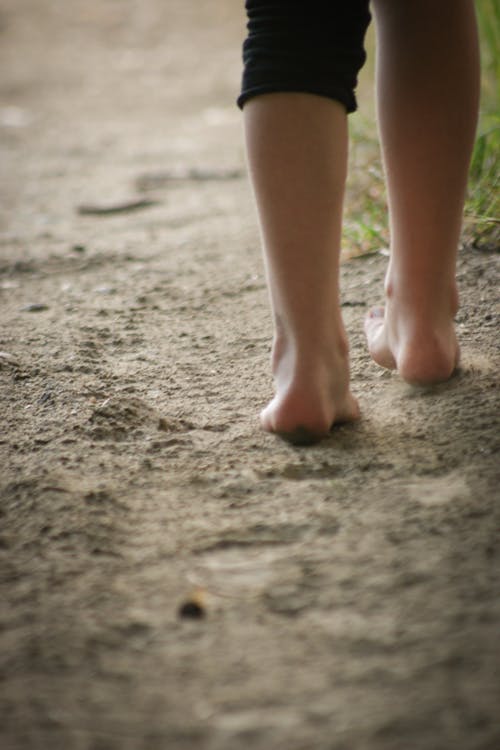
[118, 416]
[57, 514]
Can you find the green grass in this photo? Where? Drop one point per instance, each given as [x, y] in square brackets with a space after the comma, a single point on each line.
[365, 228]
[365, 225]
[482, 215]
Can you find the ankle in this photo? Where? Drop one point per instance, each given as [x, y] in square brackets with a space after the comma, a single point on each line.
[424, 299]
[314, 346]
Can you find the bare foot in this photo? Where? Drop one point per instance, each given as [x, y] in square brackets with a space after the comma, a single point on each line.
[421, 346]
[312, 394]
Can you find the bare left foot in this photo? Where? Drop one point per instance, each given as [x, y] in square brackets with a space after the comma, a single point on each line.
[312, 394]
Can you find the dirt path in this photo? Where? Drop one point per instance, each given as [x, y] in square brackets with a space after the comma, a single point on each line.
[352, 590]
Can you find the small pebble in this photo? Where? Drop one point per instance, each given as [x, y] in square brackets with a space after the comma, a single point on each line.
[194, 607]
[8, 359]
[104, 290]
[47, 397]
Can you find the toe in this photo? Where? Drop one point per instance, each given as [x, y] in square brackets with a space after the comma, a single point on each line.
[377, 339]
[374, 321]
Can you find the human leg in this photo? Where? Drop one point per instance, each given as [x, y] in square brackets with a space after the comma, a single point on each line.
[427, 85]
[298, 86]
[297, 150]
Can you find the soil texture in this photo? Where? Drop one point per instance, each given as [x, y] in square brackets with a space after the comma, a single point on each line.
[172, 577]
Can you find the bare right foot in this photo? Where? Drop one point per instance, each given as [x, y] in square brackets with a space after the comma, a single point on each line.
[419, 341]
[312, 393]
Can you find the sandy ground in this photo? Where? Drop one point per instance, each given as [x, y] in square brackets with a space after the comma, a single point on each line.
[351, 590]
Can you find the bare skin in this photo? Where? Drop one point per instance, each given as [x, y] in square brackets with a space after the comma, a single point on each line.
[427, 112]
[297, 153]
[298, 172]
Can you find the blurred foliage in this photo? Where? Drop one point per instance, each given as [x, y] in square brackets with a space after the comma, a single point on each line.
[366, 226]
[482, 216]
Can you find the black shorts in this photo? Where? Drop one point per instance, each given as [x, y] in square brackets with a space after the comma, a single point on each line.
[312, 46]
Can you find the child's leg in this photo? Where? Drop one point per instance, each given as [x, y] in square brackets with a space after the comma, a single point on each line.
[301, 64]
[427, 83]
[297, 152]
